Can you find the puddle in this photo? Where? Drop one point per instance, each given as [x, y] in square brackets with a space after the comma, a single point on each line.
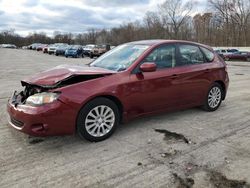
[221, 181]
[172, 135]
[183, 182]
[35, 141]
[139, 164]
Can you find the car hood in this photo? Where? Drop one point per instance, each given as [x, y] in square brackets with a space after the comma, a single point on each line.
[61, 73]
[71, 50]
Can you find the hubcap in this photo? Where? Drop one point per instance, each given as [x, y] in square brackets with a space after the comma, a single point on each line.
[100, 121]
[214, 97]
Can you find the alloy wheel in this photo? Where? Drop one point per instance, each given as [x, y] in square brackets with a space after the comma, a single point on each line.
[214, 97]
[99, 121]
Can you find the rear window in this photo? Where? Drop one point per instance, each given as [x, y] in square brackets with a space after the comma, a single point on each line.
[208, 54]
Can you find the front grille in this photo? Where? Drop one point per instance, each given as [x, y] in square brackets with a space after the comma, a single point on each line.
[16, 122]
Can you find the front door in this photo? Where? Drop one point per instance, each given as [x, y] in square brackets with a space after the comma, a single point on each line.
[155, 91]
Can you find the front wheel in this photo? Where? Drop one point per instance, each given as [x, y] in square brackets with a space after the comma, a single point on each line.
[214, 98]
[98, 119]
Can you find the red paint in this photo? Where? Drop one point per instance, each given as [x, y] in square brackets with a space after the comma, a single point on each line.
[148, 67]
[240, 56]
[139, 93]
[52, 76]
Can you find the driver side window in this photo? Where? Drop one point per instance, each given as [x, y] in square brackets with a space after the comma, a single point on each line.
[163, 57]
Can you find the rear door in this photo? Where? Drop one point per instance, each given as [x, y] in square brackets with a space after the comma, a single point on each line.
[193, 77]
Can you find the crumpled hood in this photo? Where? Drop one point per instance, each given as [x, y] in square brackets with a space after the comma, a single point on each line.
[53, 76]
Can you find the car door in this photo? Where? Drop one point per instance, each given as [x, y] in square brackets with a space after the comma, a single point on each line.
[193, 75]
[236, 56]
[154, 91]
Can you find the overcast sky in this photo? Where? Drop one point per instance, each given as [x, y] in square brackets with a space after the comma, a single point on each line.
[75, 16]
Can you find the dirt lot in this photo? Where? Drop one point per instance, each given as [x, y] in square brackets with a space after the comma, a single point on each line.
[210, 149]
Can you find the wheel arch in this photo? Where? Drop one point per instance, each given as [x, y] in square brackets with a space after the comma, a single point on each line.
[223, 86]
[113, 98]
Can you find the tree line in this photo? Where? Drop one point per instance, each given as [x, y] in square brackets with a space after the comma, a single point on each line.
[225, 23]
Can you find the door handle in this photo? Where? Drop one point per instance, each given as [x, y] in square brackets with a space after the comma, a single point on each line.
[207, 70]
[174, 76]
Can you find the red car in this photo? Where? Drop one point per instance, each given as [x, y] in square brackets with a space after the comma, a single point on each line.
[41, 47]
[240, 56]
[132, 80]
[45, 49]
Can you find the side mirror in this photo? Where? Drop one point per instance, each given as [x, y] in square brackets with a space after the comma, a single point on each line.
[148, 67]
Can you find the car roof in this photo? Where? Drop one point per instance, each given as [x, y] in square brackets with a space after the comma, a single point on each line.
[161, 41]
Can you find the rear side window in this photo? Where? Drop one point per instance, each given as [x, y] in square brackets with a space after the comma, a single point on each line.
[208, 54]
[190, 55]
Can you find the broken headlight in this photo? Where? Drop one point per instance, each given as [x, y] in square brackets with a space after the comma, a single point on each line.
[41, 98]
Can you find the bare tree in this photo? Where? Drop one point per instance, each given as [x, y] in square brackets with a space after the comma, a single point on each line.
[174, 14]
[235, 15]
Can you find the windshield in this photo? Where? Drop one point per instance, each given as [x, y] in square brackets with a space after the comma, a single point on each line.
[74, 47]
[120, 58]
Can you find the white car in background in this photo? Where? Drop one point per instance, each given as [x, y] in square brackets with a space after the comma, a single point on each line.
[52, 49]
[87, 49]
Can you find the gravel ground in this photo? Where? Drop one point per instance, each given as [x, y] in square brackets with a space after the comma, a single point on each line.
[209, 149]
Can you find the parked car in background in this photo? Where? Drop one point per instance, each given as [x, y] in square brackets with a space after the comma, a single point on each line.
[8, 46]
[45, 48]
[61, 49]
[87, 49]
[226, 51]
[40, 47]
[242, 56]
[134, 79]
[220, 54]
[34, 46]
[74, 51]
[52, 48]
[98, 50]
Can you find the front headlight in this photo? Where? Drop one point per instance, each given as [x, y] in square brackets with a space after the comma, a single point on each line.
[41, 98]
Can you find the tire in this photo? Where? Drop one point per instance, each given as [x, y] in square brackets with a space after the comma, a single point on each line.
[66, 56]
[89, 130]
[213, 98]
[227, 58]
[91, 56]
[248, 59]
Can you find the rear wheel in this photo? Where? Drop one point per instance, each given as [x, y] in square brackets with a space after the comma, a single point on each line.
[98, 119]
[214, 98]
[227, 58]
[248, 59]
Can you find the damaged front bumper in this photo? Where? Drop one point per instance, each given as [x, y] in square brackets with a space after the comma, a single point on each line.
[52, 119]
